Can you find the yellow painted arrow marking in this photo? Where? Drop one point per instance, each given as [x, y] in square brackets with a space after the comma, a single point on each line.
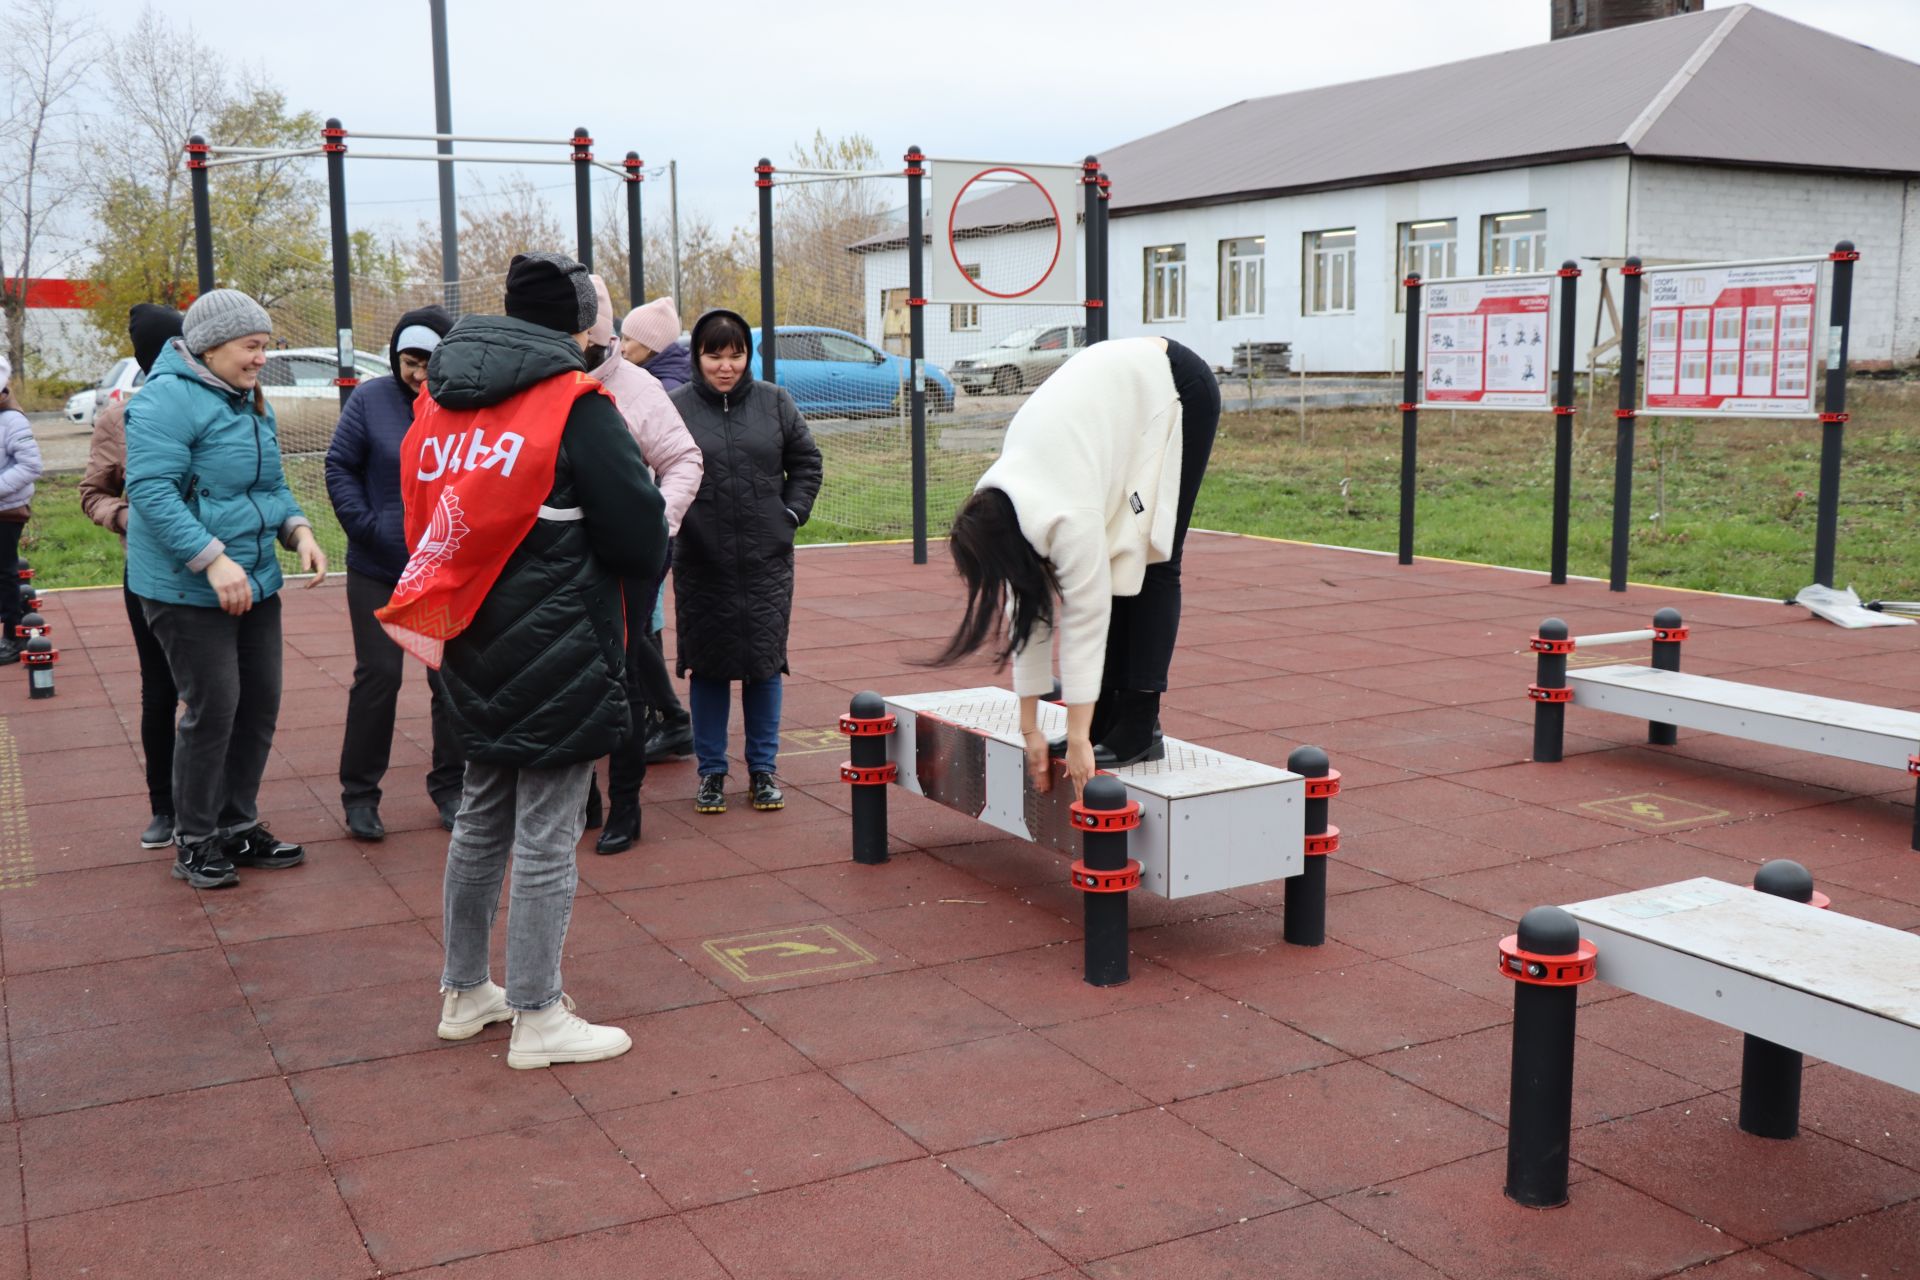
[785, 950]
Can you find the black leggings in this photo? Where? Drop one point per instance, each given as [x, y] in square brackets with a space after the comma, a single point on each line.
[1142, 629]
[158, 702]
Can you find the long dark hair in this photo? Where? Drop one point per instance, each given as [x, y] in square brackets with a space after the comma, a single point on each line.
[996, 562]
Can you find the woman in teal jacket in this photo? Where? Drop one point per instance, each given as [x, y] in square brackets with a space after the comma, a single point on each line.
[207, 500]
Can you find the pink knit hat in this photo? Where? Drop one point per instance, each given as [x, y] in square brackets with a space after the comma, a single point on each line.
[601, 334]
[655, 326]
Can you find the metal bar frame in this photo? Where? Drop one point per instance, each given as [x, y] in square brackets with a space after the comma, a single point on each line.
[263, 156]
[832, 175]
[1510, 275]
[1646, 270]
[465, 137]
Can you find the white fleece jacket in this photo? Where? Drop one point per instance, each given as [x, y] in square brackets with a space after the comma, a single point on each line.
[1092, 464]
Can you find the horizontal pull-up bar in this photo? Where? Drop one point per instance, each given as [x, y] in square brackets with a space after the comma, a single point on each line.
[257, 157]
[246, 151]
[836, 176]
[464, 137]
[1614, 637]
[437, 158]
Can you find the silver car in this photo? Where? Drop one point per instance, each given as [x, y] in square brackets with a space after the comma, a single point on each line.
[1020, 361]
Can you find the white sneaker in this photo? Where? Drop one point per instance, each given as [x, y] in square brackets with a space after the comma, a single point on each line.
[542, 1037]
[464, 1014]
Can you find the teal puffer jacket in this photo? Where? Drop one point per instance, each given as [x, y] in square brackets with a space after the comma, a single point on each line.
[203, 476]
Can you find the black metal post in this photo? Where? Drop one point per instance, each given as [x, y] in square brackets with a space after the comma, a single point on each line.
[1304, 912]
[1106, 258]
[1669, 629]
[636, 238]
[917, 344]
[763, 180]
[1770, 1073]
[1410, 417]
[1625, 417]
[1549, 690]
[1546, 997]
[1090, 228]
[202, 215]
[443, 123]
[1105, 875]
[38, 656]
[1833, 414]
[868, 725]
[1563, 423]
[1913, 767]
[582, 156]
[333, 139]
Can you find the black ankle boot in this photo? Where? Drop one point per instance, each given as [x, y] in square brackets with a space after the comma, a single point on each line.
[1103, 712]
[623, 825]
[593, 801]
[1135, 733]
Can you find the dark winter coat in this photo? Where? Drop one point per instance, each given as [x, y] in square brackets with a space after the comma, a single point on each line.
[674, 366]
[733, 560]
[363, 463]
[538, 678]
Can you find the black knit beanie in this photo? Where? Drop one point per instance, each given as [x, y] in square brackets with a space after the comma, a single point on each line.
[150, 326]
[552, 291]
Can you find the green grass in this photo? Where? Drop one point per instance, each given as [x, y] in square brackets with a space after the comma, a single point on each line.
[1734, 519]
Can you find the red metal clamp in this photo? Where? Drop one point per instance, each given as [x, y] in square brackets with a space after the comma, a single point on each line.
[42, 658]
[333, 143]
[26, 630]
[1835, 417]
[1098, 820]
[1407, 406]
[1631, 269]
[1095, 302]
[766, 175]
[1090, 881]
[1411, 282]
[1913, 765]
[1541, 694]
[1844, 255]
[916, 302]
[1541, 644]
[26, 574]
[1547, 971]
[1569, 273]
[1319, 846]
[197, 155]
[877, 775]
[856, 728]
[1669, 635]
[346, 382]
[1324, 788]
[1626, 413]
[1563, 410]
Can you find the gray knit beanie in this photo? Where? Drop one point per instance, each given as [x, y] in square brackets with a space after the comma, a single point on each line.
[221, 316]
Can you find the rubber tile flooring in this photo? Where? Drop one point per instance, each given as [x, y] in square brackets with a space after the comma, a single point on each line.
[896, 1071]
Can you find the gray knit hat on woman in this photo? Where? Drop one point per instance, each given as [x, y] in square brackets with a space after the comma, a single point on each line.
[222, 315]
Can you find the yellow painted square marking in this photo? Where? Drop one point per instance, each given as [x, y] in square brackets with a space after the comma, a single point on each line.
[788, 953]
[1654, 811]
[808, 742]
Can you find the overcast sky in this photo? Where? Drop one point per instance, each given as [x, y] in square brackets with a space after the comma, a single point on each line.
[1002, 79]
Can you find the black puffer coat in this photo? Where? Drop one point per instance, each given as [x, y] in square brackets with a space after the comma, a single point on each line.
[538, 678]
[733, 559]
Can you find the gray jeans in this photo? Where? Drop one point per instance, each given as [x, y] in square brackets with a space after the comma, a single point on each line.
[227, 670]
[534, 818]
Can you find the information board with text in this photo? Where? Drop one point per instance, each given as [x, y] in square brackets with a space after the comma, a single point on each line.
[1732, 340]
[1489, 343]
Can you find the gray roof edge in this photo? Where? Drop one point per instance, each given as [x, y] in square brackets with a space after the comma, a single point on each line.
[1681, 78]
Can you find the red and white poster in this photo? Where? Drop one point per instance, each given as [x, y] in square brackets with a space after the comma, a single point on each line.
[1489, 343]
[1732, 340]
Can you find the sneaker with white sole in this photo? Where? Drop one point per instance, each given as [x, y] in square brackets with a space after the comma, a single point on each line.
[465, 1014]
[542, 1037]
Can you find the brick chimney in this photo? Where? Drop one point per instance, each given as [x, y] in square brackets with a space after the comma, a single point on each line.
[1578, 17]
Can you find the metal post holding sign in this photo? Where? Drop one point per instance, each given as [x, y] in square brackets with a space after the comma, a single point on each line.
[636, 239]
[1090, 221]
[763, 180]
[917, 342]
[1833, 416]
[202, 214]
[1625, 417]
[1410, 417]
[1563, 424]
[333, 140]
[582, 157]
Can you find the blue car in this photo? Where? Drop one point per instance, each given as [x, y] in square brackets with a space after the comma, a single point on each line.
[830, 373]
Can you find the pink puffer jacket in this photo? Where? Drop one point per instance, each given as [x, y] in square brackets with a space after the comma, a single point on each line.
[657, 428]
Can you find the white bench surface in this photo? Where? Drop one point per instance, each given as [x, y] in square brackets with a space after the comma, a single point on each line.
[1839, 988]
[1826, 726]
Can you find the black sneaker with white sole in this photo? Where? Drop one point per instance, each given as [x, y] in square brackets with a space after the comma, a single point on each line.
[258, 848]
[159, 832]
[204, 865]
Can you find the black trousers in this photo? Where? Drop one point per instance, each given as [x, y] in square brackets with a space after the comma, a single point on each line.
[378, 667]
[648, 665]
[1142, 629]
[627, 766]
[227, 669]
[10, 610]
[158, 701]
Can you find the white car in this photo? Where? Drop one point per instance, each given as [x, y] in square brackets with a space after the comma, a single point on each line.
[80, 406]
[1020, 361]
[120, 383]
[299, 383]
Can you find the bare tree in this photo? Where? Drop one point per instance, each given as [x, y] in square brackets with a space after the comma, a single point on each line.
[46, 57]
[817, 279]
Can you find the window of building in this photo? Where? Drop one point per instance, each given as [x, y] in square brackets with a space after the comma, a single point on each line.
[1326, 275]
[1243, 277]
[966, 316]
[1430, 248]
[1166, 282]
[1512, 242]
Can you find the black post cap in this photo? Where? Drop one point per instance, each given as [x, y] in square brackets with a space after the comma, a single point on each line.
[1549, 931]
[1308, 762]
[20, 565]
[200, 139]
[1668, 618]
[1104, 792]
[1845, 246]
[33, 620]
[333, 122]
[867, 705]
[765, 161]
[582, 132]
[1553, 629]
[1413, 277]
[39, 644]
[1785, 878]
[1634, 263]
[1568, 264]
[634, 156]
